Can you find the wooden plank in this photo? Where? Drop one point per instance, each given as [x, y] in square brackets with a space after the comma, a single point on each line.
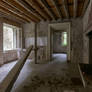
[9, 8]
[65, 8]
[16, 5]
[8, 82]
[30, 9]
[57, 7]
[2, 9]
[86, 2]
[82, 78]
[75, 8]
[49, 8]
[42, 5]
[36, 6]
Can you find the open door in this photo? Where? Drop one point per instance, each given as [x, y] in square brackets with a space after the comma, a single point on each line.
[57, 26]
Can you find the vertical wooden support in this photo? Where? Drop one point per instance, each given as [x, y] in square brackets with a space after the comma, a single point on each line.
[35, 44]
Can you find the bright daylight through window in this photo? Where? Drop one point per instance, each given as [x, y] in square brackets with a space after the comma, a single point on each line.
[64, 39]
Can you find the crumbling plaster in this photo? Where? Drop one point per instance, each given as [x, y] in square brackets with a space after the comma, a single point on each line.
[76, 37]
[7, 56]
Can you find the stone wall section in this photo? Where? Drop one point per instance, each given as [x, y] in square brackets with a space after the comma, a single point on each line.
[87, 27]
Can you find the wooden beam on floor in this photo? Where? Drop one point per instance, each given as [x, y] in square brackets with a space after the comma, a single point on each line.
[75, 8]
[36, 6]
[66, 8]
[48, 8]
[86, 2]
[11, 77]
[18, 6]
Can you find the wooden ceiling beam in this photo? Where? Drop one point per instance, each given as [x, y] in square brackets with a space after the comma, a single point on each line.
[66, 8]
[49, 8]
[86, 2]
[6, 6]
[36, 6]
[42, 5]
[57, 7]
[30, 9]
[5, 11]
[75, 8]
[25, 14]
[16, 5]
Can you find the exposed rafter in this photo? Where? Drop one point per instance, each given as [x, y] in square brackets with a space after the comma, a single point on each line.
[85, 6]
[75, 8]
[57, 7]
[30, 9]
[6, 6]
[16, 5]
[42, 5]
[65, 8]
[37, 10]
[49, 8]
[36, 6]
[5, 11]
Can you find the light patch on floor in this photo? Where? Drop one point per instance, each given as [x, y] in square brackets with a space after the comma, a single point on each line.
[4, 70]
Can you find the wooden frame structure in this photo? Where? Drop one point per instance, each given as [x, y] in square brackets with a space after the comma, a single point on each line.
[37, 10]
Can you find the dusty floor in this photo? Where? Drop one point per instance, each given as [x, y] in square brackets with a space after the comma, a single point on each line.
[54, 76]
[5, 69]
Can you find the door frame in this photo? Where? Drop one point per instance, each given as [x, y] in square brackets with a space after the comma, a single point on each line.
[63, 26]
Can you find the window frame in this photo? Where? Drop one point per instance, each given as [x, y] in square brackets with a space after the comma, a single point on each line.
[64, 38]
[15, 29]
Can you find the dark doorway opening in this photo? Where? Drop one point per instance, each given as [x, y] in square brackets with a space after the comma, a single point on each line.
[90, 47]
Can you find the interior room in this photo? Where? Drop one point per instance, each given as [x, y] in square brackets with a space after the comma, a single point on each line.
[45, 46]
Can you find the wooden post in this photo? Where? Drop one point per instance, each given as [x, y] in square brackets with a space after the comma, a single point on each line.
[35, 44]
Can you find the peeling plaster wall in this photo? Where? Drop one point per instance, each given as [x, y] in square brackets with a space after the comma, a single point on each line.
[10, 55]
[42, 32]
[29, 34]
[87, 27]
[76, 38]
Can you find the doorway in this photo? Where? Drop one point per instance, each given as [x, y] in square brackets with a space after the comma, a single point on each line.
[90, 47]
[60, 44]
[58, 28]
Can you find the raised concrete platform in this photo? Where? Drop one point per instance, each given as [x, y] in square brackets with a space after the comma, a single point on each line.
[4, 69]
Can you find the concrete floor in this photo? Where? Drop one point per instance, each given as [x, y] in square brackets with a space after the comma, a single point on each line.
[54, 76]
[4, 70]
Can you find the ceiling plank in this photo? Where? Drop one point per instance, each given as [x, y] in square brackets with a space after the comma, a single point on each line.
[57, 7]
[66, 8]
[6, 6]
[36, 6]
[75, 8]
[42, 5]
[49, 8]
[30, 9]
[86, 2]
[16, 5]
[5, 11]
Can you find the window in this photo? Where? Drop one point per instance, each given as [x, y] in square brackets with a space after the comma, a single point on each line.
[9, 37]
[64, 39]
